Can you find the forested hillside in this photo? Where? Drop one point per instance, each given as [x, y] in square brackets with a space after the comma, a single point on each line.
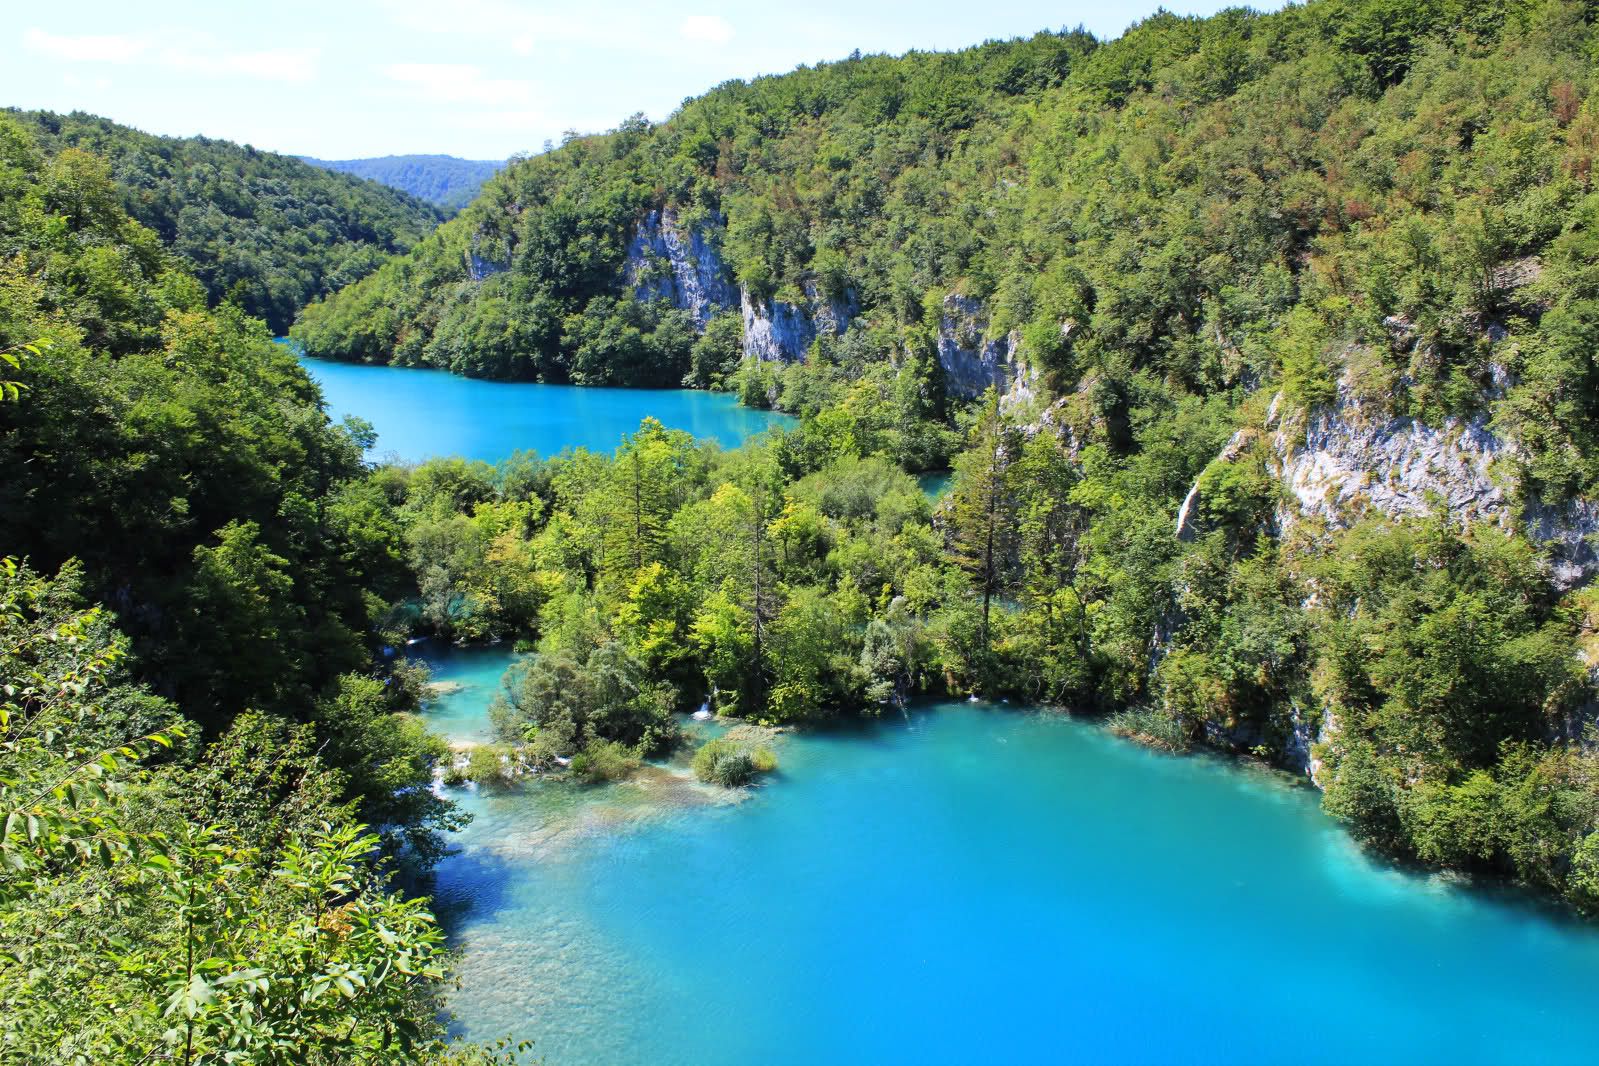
[266, 232]
[1289, 323]
[445, 180]
[1261, 348]
[212, 740]
[1197, 199]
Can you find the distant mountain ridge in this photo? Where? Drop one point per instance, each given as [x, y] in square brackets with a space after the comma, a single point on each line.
[445, 180]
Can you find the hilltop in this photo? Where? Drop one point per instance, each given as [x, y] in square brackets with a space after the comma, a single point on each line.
[266, 231]
[446, 181]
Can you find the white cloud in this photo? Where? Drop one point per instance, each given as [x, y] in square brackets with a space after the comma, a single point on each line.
[499, 20]
[604, 24]
[72, 81]
[106, 48]
[459, 83]
[277, 64]
[193, 53]
[706, 29]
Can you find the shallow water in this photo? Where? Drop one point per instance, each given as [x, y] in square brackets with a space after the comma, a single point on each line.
[420, 414]
[936, 484]
[466, 681]
[970, 883]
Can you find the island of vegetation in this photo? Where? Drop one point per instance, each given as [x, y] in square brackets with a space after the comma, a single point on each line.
[1261, 347]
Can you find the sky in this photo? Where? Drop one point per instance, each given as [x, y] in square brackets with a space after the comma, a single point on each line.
[484, 79]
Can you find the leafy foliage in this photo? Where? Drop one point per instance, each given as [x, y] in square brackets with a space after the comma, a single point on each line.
[1220, 202]
[170, 907]
[266, 232]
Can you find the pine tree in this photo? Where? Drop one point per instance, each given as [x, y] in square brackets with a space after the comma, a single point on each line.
[983, 504]
[640, 494]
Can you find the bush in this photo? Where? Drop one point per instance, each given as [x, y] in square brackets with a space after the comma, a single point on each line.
[730, 764]
[456, 775]
[1364, 795]
[490, 765]
[605, 760]
[1150, 727]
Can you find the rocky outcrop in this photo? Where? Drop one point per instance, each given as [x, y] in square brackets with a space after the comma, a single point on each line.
[974, 362]
[1345, 461]
[1188, 513]
[1568, 534]
[483, 262]
[686, 270]
[1303, 748]
[1348, 465]
[782, 332]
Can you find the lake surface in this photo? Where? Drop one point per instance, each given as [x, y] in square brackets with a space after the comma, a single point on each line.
[972, 884]
[421, 414]
[936, 484]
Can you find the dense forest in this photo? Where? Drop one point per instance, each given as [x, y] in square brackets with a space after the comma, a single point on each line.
[1202, 240]
[266, 232]
[1193, 201]
[191, 727]
[1206, 237]
[443, 180]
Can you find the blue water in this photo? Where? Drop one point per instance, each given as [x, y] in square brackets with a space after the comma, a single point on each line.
[422, 414]
[935, 484]
[467, 680]
[974, 884]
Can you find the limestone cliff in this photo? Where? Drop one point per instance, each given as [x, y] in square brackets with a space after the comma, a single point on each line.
[1351, 459]
[486, 258]
[1344, 462]
[684, 269]
[974, 362]
[780, 331]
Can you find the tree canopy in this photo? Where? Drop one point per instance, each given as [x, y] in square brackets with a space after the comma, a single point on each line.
[268, 233]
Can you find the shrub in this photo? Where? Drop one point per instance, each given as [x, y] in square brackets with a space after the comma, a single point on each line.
[730, 764]
[605, 760]
[1151, 727]
[456, 775]
[490, 765]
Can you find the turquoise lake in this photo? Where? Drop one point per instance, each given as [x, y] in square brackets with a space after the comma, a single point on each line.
[422, 414]
[970, 883]
[964, 883]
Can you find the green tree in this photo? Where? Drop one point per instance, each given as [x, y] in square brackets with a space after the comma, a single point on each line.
[983, 506]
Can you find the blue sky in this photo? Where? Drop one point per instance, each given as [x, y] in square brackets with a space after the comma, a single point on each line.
[477, 78]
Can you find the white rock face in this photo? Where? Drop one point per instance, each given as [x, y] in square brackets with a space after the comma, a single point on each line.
[686, 271]
[1570, 533]
[1351, 464]
[973, 362]
[1188, 513]
[781, 332]
[478, 268]
[1347, 467]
